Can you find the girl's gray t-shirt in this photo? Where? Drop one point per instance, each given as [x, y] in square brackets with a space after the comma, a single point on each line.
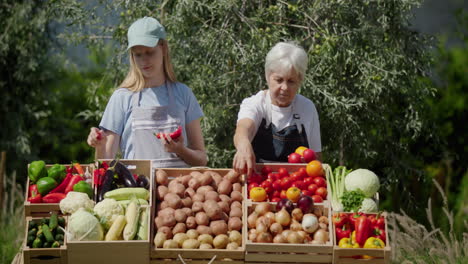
[117, 116]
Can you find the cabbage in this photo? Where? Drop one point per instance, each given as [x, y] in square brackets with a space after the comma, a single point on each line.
[84, 226]
[362, 179]
[368, 206]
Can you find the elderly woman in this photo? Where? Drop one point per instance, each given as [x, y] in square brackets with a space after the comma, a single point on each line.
[273, 123]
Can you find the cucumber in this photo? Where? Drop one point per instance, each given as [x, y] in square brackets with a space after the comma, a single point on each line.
[61, 221]
[128, 194]
[48, 235]
[32, 232]
[37, 243]
[53, 221]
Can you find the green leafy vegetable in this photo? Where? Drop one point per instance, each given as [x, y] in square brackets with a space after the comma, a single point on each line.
[352, 200]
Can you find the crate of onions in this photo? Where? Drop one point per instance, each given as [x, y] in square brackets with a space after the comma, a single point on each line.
[198, 216]
[288, 232]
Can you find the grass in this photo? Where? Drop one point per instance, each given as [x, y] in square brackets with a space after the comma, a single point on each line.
[413, 243]
[11, 220]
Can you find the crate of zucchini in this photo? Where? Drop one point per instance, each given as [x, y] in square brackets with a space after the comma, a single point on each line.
[198, 216]
[44, 241]
[117, 228]
[48, 184]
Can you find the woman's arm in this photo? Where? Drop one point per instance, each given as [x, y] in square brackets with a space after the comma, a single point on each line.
[244, 159]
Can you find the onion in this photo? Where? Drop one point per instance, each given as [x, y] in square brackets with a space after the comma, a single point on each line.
[323, 219]
[264, 237]
[294, 238]
[262, 208]
[286, 203]
[252, 219]
[317, 211]
[270, 215]
[310, 223]
[295, 226]
[276, 228]
[297, 214]
[262, 228]
[285, 233]
[321, 236]
[282, 217]
[305, 203]
[252, 237]
[279, 239]
[264, 220]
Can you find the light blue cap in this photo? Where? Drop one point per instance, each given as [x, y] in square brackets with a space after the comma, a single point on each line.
[146, 31]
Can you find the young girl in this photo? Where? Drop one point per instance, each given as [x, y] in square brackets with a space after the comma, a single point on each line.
[150, 102]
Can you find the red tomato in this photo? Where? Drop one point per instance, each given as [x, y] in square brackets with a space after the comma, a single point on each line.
[266, 170]
[252, 185]
[275, 199]
[317, 198]
[273, 176]
[312, 188]
[265, 184]
[283, 172]
[255, 178]
[276, 185]
[283, 194]
[302, 172]
[322, 191]
[307, 192]
[320, 181]
[296, 176]
[269, 190]
[299, 184]
[276, 193]
[294, 158]
[286, 183]
[308, 181]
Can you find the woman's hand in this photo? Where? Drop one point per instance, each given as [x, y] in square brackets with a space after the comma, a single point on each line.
[97, 138]
[244, 159]
[172, 145]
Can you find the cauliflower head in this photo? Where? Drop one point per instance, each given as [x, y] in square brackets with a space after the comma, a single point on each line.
[362, 179]
[84, 226]
[368, 206]
[107, 210]
[75, 201]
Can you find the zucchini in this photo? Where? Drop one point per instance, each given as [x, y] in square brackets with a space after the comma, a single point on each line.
[125, 203]
[128, 194]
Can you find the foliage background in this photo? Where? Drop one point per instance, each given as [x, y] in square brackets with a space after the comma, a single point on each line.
[390, 98]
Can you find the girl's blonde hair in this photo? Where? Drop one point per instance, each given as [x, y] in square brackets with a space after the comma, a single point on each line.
[135, 81]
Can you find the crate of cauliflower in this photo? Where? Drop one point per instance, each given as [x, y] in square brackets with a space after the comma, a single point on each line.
[115, 228]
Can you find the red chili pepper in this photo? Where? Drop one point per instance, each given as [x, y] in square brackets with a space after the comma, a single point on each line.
[53, 197]
[339, 219]
[98, 176]
[78, 168]
[61, 187]
[176, 133]
[104, 165]
[69, 169]
[363, 229]
[379, 233]
[33, 194]
[343, 231]
[74, 180]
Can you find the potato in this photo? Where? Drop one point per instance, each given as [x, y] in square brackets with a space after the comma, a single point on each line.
[161, 192]
[212, 209]
[189, 192]
[219, 227]
[191, 222]
[173, 200]
[197, 207]
[205, 239]
[203, 189]
[179, 228]
[224, 206]
[212, 195]
[184, 180]
[187, 211]
[170, 244]
[202, 219]
[190, 244]
[192, 233]
[194, 183]
[167, 220]
[220, 241]
[235, 212]
[205, 246]
[206, 178]
[225, 198]
[177, 188]
[159, 239]
[161, 177]
[232, 176]
[216, 178]
[167, 211]
[163, 205]
[224, 187]
[235, 223]
[236, 204]
[232, 246]
[236, 196]
[201, 229]
[195, 174]
[166, 230]
[235, 236]
[180, 216]
[180, 238]
[187, 202]
[237, 187]
[198, 197]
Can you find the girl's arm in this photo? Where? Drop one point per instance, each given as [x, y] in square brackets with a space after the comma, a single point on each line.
[194, 154]
[106, 143]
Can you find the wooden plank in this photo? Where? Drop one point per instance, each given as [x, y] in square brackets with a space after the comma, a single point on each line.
[197, 261]
[116, 252]
[288, 258]
[199, 253]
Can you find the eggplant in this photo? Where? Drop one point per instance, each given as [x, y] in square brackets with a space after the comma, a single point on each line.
[124, 174]
[142, 181]
[106, 184]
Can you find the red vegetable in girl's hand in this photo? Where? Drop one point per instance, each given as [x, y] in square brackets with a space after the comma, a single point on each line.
[173, 135]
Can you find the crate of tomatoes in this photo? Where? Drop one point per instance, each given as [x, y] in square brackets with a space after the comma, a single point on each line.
[360, 237]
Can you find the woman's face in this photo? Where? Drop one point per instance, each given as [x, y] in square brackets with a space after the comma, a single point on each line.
[149, 60]
[283, 87]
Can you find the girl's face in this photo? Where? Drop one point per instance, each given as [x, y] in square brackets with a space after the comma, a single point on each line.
[149, 60]
[283, 87]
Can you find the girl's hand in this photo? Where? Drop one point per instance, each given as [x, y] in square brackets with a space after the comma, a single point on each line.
[172, 145]
[97, 138]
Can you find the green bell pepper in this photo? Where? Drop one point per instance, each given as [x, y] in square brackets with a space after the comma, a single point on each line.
[45, 185]
[37, 169]
[58, 172]
[84, 187]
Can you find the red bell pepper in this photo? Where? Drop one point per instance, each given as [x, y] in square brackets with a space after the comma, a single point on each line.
[53, 197]
[74, 180]
[342, 232]
[353, 217]
[339, 219]
[379, 233]
[380, 222]
[33, 194]
[61, 187]
[363, 229]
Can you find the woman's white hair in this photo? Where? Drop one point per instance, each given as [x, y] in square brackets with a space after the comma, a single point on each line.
[285, 56]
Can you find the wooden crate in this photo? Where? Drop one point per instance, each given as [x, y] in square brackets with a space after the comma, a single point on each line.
[346, 255]
[43, 209]
[194, 256]
[256, 253]
[43, 255]
[116, 252]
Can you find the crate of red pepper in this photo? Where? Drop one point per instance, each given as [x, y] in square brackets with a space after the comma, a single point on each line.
[360, 237]
[48, 184]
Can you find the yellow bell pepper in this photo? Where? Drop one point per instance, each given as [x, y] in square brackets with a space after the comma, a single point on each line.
[373, 242]
[345, 242]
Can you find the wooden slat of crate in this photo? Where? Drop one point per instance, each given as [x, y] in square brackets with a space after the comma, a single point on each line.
[198, 261]
[43, 255]
[43, 209]
[288, 253]
[345, 255]
[193, 255]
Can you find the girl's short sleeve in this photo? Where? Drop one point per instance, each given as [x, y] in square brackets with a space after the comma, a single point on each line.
[193, 110]
[115, 115]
